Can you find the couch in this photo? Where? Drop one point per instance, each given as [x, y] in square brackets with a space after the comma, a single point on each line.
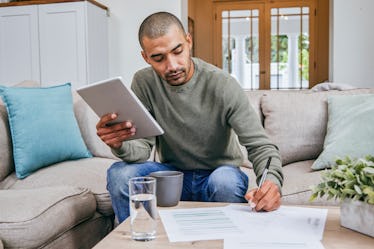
[66, 205]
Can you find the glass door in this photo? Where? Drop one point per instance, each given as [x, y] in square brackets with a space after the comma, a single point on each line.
[239, 43]
[290, 39]
[240, 50]
[266, 45]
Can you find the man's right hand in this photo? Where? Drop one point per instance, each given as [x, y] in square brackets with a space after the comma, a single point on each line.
[114, 134]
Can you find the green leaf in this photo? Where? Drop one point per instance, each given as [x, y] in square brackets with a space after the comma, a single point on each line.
[313, 197]
[339, 173]
[348, 191]
[349, 174]
[358, 179]
[330, 196]
[357, 189]
[333, 191]
[368, 170]
[368, 190]
[339, 161]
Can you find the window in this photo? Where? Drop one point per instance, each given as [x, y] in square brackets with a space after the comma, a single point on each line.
[240, 46]
[289, 48]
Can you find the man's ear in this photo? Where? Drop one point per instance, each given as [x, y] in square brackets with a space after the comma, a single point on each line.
[145, 57]
[189, 40]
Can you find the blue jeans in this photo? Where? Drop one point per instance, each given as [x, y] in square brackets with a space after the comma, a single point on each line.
[224, 184]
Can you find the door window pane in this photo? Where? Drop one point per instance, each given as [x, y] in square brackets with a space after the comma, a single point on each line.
[240, 48]
[289, 48]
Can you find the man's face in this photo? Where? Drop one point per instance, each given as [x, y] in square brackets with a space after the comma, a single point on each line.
[170, 56]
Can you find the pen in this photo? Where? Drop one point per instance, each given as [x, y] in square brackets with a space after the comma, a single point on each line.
[263, 177]
[265, 173]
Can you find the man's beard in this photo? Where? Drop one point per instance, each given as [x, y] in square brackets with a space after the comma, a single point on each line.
[176, 76]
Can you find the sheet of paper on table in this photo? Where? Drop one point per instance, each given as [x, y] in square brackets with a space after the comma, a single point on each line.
[284, 224]
[198, 224]
[242, 243]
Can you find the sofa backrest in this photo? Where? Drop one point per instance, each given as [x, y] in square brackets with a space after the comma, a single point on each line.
[296, 121]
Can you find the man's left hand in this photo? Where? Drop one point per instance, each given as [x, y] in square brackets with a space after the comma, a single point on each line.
[266, 198]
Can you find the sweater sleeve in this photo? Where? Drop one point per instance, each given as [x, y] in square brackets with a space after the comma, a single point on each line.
[138, 150]
[135, 151]
[251, 134]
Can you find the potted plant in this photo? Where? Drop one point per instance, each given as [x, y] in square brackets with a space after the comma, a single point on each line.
[352, 182]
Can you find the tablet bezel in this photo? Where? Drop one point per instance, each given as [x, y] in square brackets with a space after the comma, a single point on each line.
[113, 96]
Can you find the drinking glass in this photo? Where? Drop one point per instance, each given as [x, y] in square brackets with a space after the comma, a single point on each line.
[143, 208]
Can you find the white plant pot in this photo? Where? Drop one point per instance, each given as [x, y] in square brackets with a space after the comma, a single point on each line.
[358, 216]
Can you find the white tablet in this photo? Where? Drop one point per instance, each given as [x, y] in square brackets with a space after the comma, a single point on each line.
[113, 96]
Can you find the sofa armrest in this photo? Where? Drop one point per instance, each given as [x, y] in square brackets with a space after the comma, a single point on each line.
[29, 210]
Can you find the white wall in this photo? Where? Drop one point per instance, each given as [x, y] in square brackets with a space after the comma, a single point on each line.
[352, 42]
[125, 18]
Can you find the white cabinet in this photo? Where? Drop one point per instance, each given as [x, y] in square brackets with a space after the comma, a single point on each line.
[54, 43]
[19, 44]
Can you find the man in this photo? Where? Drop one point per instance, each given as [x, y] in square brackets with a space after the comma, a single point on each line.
[203, 111]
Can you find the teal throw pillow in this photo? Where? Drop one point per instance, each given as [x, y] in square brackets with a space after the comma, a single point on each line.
[350, 129]
[43, 127]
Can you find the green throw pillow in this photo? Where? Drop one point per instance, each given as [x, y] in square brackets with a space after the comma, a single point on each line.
[350, 129]
[43, 127]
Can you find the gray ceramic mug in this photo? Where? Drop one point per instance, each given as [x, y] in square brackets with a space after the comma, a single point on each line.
[169, 185]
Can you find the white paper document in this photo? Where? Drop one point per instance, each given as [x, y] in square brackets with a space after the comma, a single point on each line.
[290, 224]
[242, 243]
[286, 223]
[198, 224]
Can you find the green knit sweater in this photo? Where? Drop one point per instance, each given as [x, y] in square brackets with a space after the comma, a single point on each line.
[203, 120]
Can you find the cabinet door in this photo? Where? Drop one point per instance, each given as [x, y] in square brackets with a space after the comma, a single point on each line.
[62, 44]
[19, 45]
[97, 43]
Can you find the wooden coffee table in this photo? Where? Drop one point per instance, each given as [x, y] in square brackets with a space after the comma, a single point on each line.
[334, 236]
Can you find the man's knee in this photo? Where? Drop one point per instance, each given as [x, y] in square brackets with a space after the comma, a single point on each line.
[227, 184]
[121, 172]
[118, 176]
[227, 175]
[116, 171]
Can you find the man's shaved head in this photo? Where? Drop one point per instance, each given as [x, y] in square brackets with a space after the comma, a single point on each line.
[157, 25]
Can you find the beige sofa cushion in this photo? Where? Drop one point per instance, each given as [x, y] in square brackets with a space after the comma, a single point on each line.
[254, 98]
[296, 121]
[298, 180]
[87, 173]
[30, 218]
